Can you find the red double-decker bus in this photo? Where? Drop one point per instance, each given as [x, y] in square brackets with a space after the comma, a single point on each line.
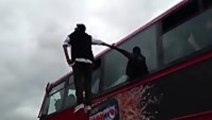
[178, 50]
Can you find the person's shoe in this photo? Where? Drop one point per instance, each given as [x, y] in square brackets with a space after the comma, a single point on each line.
[78, 107]
[87, 109]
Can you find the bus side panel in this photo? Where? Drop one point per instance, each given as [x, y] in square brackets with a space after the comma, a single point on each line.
[181, 93]
[201, 116]
[68, 114]
[187, 91]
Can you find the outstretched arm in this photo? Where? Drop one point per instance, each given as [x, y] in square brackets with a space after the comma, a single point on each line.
[122, 51]
[99, 42]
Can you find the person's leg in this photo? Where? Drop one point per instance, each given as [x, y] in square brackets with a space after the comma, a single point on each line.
[87, 85]
[78, 82]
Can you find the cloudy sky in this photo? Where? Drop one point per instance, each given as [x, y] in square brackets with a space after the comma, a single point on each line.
[31, 35]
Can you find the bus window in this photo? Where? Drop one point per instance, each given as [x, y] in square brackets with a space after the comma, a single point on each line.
[192, 36]
[70, 99]
[96, 77]
[95, 81]
[55, 98]
[146, 41]
[115, 63]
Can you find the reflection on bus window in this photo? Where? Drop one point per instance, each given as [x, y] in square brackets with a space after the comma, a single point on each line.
[71, 97]
[55, 98]
[122, 79]
[96, 81]
[192, 36]
[55, 103]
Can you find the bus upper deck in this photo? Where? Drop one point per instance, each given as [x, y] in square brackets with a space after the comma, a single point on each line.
[177, 46]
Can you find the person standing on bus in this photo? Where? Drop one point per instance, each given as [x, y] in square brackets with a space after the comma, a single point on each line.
[136, 66]
[82, 58]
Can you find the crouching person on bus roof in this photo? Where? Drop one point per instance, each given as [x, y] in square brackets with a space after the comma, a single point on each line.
[136, 66]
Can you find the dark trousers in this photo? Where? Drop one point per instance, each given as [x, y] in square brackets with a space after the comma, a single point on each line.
[82, 81]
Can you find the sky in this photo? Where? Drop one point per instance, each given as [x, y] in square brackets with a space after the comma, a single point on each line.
[31, 37]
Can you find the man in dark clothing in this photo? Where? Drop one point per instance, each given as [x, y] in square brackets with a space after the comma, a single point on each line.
[136, 66]
[82, 57]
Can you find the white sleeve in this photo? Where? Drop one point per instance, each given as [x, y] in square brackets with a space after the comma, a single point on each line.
[97, 42]
[67, 40]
